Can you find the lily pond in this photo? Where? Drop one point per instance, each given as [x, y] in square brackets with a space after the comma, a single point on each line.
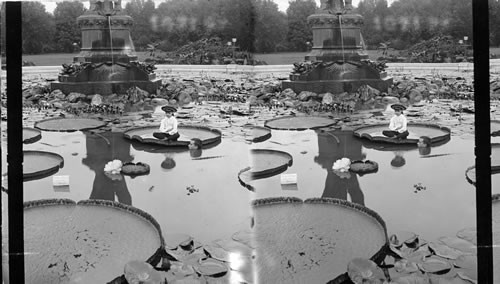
[423, 195]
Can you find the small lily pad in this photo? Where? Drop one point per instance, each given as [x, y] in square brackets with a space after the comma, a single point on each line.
[299, 122]
[135, 169]
[444, 250]
[31, 135]
[459, 244]
[435, 265]
[470, 173]
[211, 267]
[69, 124]
[363, 167]
[468, 234]
[172, 241]
[215, 251]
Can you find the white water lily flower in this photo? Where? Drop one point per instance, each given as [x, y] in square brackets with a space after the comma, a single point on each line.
[113, 167]
[342, 165]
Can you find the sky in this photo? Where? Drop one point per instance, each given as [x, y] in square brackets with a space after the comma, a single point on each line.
[50, 5]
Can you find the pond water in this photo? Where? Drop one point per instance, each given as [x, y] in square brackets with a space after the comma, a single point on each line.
[220, 206]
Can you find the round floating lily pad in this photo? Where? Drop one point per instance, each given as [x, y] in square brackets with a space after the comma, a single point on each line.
[364, 167]
[313, 241]
[435, 265]
[266, 163]
[69, 124]
[88, 242]
[40, 164]
[135, 169]
[470, 172]
[256, 133]
[211, 267]
[299, 122]
[31, 135]
[207, 135]
[374, 133]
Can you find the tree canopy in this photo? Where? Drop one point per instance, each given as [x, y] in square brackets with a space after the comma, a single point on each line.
[257, 25]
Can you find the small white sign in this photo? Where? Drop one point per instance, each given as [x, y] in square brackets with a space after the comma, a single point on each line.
[288, 178]
[60, 180]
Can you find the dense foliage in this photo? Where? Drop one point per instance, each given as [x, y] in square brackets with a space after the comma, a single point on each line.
[257, 25]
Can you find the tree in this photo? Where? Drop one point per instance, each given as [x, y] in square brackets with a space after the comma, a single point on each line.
[67, 31]
[142, 12]
[299, 31]
[38, 28]
[270, 27]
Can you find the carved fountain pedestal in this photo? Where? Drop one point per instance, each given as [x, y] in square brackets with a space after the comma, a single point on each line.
[337, 62]
[107, 62]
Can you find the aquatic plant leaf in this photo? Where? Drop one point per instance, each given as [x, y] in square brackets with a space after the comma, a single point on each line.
[444, 250]
[466, 261]
[364, 167]
[40, 164]
[172, 241]
[207, 135]
[234, 247]
[89, 241]
[256, 133]
[435, 265]
[362, 270]
[245, 237]
[31, 135]
[69, 124]
[216, 252]
[299, 122]
[468, 234]
[403, 237]
[374, 133]
[412, 279]
[468, 274]
[267, 162]
[312, 241]
[405, 266]
[438, 279]
[459, 244]
[211, 267]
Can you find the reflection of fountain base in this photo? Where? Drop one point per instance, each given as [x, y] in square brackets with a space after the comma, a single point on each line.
[106, 88]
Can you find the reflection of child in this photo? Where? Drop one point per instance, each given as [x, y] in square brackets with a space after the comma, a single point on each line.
[194, 146]
[168, 125]
[424, 145]
[398, 160]
[397, 125]
[168, 163]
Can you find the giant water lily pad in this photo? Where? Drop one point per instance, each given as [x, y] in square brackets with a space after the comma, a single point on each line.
[313, 241]
[299, 122]
[88, 242]
[207, 135]
[267, 162]
[40, 164]
[69, 124]
[256, 133]
[31, 135]
[374, 133]
[470, 172]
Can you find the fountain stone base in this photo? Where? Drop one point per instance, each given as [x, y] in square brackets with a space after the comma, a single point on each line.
[337, 62]
[105, 88]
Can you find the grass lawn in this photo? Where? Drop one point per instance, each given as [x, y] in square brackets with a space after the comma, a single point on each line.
[57, 59]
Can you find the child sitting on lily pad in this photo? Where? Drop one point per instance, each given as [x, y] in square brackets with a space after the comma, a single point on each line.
[398, 123]
[168, 125]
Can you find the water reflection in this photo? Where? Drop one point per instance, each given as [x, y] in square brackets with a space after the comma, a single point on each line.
[102, 148]
[332, 146]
